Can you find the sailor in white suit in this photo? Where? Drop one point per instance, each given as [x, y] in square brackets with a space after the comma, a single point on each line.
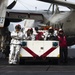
[15, 46]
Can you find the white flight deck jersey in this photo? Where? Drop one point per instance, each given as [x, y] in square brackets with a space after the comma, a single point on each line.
[17, 38]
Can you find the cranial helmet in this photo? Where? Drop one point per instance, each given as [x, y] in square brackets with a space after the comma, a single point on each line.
[50, 27]
[18, 26]
[60, 30]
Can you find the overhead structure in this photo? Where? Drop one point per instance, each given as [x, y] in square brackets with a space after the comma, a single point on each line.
[12, 4]
[61, 2]
[3, 5]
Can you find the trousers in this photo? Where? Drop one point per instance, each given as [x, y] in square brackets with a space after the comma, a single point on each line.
[64, 54]
[14, 53]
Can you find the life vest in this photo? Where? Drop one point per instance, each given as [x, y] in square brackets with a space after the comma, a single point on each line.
[62, 41]
[39, 36]
[50, 37]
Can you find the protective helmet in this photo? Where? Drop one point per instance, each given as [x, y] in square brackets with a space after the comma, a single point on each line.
[60, 30]
[50, 27]
[18, 26]
[36, 28]
[51, 30]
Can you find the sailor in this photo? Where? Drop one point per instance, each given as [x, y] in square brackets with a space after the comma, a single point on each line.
[16, 40]
[28, 37]
[63, 46]
[50, 35]
[39, 35]
[32, 34]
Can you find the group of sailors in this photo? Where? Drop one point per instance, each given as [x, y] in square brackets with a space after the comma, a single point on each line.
[35, 34]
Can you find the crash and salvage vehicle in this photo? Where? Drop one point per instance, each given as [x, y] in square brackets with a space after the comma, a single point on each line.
[39, 50]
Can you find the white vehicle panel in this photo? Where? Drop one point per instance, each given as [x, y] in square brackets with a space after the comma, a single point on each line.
[40, 49]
